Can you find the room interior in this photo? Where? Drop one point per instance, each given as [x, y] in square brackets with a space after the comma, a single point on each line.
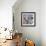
[13, 31]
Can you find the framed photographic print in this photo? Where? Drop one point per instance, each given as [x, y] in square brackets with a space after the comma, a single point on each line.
[28, 19]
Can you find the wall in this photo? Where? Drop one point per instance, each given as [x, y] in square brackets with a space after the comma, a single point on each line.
[6, 15]
[43, 22]
[32, 33]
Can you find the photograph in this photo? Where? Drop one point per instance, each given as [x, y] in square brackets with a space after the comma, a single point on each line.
[28, 19]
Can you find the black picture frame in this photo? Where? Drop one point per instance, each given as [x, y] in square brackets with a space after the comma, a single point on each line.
[28, 19]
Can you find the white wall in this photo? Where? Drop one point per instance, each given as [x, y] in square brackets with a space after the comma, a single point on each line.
[38, 33]
[43, 22]
[32, 33]
[6, 13]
